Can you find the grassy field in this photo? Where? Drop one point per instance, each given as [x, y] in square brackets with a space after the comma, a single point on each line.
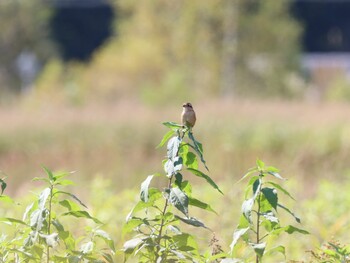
[112, 150]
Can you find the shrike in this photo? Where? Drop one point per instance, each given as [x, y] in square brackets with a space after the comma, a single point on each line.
[188, 116]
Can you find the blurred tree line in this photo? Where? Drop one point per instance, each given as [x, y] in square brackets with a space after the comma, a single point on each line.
[160, 49]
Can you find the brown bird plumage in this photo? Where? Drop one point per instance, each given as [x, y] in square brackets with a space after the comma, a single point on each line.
[188, 116]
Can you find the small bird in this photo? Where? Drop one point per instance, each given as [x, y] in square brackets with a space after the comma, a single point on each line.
[188, 116]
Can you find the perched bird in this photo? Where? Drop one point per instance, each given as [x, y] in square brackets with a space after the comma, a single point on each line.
[188, 116]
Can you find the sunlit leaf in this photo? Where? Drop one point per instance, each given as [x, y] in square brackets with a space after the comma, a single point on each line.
[130, 245]
[173, 125]
[191, 221]
[260, 165]
[87, 248]
[206, 177]
[49, 174]
[173, 147]
[259, 248]
[179, 199]
[237, 235]
[73, 196]
[10, 221]
[197, 203]
[166, 137]
[197, 146]
[144, 188]
[83, 214]
[247, 207]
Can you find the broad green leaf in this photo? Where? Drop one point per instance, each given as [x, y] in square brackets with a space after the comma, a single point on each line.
[65, 182]
[179, 199]
[290, 212]
[73, 196]
[153, 195]
[144, 188]
[256, 187]
[3, 186]
[178, 179]
[185, 242]
[133, 223]
[130, 245]
[173, 125]
[237, 235]
[82, 214]
[206, 177]
[249, 173]
[173, 147]
[166, 137]
[38, 217]
[192, 221]
[197, 203]
[71, 206]
[247, 207]
[259, 248]
[49, 174]
[190, 160]
[292, 229]
[260, 165]
[271, 196]
[197, 146]
[278, 249]
[279, 187]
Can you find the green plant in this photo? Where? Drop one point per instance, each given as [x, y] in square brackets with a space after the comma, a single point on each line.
[259, 220]
[41, 235]
[156, 217]
[332, 252]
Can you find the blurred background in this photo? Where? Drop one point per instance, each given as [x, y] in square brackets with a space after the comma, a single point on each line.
[86, 84]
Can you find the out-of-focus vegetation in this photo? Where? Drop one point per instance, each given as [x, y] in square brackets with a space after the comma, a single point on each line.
[171, 50]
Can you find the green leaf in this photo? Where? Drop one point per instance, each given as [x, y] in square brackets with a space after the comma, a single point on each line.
[49, 174]
[206, 177]
[270, 217]
[278, 249]
[197, 203]
[292, 229]
[191, 221]
[144, 188]
[171, 167]
[259, 248]
[10, 221]
[178, 179]
[277, 186]
[260, 165]
[43, 197]
[133, 223]
[179, 199]
[73, 196]
[71, 206]
[5, 198]
[82, 214]
[249, 173]
[185, 242]
[173, 147]
[130, 245]
[237, 235]
[271, 196]
[197, 146]
[166, 137]
[173, 125]
[247, 207]
[290, 212]
[3, 186]
[277, 175]
[105, 236]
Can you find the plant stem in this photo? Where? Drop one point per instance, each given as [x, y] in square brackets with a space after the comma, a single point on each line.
[162, 221]
[258, 225]
[49, 223]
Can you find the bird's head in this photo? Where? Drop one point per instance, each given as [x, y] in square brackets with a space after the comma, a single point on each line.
[187, 105]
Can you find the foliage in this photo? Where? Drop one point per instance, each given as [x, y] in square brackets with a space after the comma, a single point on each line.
[259, 220]
[332, 252]
[159, 237]
[42, 236]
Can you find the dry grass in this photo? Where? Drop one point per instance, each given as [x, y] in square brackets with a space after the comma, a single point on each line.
[119, 140]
